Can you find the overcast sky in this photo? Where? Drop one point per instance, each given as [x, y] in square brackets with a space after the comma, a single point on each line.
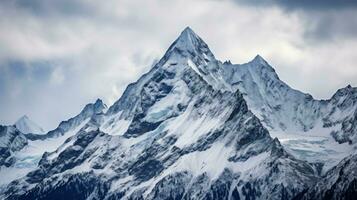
[57, 56]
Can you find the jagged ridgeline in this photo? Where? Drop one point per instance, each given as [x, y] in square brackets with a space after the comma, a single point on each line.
[196, 128]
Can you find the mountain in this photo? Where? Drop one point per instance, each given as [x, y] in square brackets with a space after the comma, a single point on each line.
[178, 132]
[25, 125]
[320, 131]
[196, 128]
[25, 150]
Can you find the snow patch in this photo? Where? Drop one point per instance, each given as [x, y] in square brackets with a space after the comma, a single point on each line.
[25, 125]
[115, 125]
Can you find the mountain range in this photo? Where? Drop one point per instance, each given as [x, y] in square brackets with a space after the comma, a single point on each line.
[192, 127]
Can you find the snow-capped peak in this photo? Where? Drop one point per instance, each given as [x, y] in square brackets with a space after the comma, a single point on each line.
[348, 90]
[186, 38]
[190, 44]
[96, 108]
[25, 125]
[259, 60]
[99, 106]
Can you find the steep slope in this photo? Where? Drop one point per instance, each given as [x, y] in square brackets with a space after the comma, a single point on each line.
[87, 112]
[11, 141]
[30, 147]
[278, 105]
[342, 112]
[188, 51]
[25, 125]
[340, 182]
[179, 132]
[319, 131]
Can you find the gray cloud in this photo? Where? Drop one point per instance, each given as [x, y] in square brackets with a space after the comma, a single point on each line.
[325, 20]
[317, 4]
[331, 25]
[306, 5]
[64, 8]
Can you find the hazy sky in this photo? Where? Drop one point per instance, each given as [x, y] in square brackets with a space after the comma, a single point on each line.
[57, 56]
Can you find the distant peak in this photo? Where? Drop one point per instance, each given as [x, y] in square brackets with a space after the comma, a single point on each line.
[345, 91]
[26, 125]
[24, 117]
[97, 107]
[98, 102]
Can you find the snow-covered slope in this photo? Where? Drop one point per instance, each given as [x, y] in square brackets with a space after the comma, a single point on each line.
[340, 182]
[27, 149]
[196, 128]
[88, 111]
[319, 131]
[11, 141]
[25, 125]
[341, 112]
[274, 102]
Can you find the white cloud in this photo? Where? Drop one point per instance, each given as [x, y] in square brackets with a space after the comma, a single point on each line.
[57, 76]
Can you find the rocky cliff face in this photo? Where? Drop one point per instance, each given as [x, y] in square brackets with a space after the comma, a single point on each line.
[340, 182]
[11, 141]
